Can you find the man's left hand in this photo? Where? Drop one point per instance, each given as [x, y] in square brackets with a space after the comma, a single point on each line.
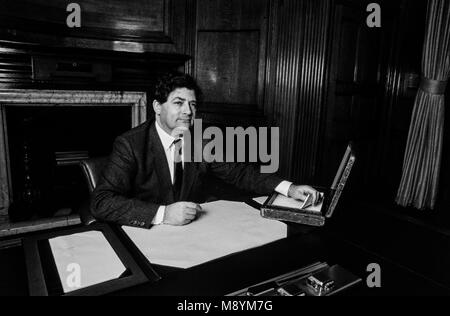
[300, 192]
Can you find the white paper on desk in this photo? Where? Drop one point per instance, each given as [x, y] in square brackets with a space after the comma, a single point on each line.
[260, 200]
[284, 201]
[223, 228]
[92, 253]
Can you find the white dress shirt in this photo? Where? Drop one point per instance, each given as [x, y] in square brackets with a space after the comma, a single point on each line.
[167, 142]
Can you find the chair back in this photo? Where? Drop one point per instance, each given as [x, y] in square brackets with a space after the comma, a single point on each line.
[92, 169]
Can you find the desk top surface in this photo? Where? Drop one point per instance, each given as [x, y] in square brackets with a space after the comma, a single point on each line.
[240, 270]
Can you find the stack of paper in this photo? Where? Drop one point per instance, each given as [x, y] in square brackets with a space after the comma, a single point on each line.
[85, 259]
[222, 228]
[284, 201]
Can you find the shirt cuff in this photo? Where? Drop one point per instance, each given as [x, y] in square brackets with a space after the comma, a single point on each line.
[159, 217]
[283, 188]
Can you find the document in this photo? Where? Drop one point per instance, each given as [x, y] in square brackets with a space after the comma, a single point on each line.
[284, 201]
[223, 228]
[260, 200]
[85, 259]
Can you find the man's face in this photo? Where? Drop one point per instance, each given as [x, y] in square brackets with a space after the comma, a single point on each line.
[178, 112]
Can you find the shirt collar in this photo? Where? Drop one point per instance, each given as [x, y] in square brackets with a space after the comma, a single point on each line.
[166, 139]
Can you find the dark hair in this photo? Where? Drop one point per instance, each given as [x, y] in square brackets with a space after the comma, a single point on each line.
[172, 81]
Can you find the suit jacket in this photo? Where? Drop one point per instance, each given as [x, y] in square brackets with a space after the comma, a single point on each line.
[136, 181]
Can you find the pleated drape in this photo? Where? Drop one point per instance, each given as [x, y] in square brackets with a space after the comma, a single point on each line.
[422, 162]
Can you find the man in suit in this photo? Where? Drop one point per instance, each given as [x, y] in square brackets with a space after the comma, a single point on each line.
[146, 183]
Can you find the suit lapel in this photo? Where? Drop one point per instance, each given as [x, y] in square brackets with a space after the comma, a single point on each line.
[162, 169]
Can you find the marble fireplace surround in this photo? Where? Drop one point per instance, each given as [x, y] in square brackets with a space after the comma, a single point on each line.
[135, 100]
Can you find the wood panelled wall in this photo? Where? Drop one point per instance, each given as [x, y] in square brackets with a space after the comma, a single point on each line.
[119, 46]
[25, 66]
[265, 62]
[323, 76]
[296, 82]
[319, 75]
[312, 68]
[137, 26]
[190, 35]
[229, 59]
[356, 79]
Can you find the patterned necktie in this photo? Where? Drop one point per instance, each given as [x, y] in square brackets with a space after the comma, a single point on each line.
[178, 168]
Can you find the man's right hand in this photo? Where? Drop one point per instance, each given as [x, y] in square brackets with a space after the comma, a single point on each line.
[181, 213]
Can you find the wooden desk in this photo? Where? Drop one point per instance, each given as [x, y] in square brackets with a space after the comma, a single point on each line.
[237, 271]
[229, 274]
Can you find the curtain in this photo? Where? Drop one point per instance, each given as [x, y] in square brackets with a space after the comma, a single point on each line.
[422, 161]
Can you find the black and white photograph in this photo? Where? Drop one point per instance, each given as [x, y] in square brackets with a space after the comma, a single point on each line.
[224, 153]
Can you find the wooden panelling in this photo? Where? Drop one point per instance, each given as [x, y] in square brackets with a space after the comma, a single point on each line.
[134, 26]
[348, 46]
[142, 21]
[313, 88]
[295, 82]
[368, 100]
[9, 229]
[230, 14]
[15, 67]
[227, 67]
[190, 34]
[282, 85]
[122, 71]
[230, 57]
[353, 108]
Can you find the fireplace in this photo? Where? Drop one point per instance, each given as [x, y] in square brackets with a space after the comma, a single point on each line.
[43, 136]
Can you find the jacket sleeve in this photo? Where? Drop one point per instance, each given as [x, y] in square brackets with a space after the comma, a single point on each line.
[245, 177]
[112, 199]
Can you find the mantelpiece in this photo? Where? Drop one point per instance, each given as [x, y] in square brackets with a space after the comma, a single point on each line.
[135, 100]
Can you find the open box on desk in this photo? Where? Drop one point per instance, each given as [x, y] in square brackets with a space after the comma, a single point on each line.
[330, 199]
[318, 279]
[48, 277]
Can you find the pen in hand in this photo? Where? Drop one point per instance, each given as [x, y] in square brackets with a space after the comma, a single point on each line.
[307, 202]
